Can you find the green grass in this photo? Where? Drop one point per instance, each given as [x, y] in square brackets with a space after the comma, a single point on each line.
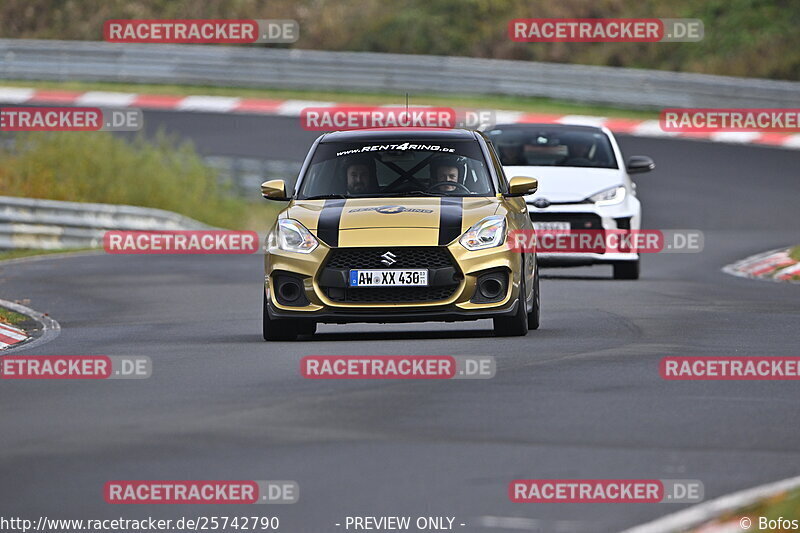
[785, 504]
[22, 253]
[533, 105]
[97, 167]
[12, 318]
[794, 253]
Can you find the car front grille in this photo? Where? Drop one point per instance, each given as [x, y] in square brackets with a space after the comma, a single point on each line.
[427, 257]
[581, 221]
[391, 294]
[404, 257]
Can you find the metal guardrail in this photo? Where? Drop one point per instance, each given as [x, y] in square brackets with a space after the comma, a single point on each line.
[245, 174]
[395, 73]
[51, 224]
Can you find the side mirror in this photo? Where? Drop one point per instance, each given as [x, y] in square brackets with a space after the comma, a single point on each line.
[274, 190]
[640, 163]
[521, 185]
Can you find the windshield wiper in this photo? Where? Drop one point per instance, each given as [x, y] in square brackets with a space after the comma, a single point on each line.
[326, 197]
[414, 193]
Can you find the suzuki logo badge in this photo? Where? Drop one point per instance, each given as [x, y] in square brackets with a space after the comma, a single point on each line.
[388, 259]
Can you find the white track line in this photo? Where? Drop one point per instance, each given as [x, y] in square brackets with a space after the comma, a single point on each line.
[293, 108]
[13, 333]
[704, 512]
[15, 95]
[214, 104]
[102, 99]
[584, 120]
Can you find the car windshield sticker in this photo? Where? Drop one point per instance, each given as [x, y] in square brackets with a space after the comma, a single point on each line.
[400, 147]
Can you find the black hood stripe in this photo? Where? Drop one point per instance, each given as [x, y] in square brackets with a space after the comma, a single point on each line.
[450, 215]
[329, 219]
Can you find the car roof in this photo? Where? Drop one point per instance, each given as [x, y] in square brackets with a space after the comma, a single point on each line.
[547, 126]
[404, 134]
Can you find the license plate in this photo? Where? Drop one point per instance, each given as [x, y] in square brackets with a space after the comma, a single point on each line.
[545, 226]
[389, 278]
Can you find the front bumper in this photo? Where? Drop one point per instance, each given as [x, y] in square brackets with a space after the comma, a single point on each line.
[583, 216]
[321, 305]
[338, 316]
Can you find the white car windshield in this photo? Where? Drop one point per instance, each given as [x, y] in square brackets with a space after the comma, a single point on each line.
[553, 147]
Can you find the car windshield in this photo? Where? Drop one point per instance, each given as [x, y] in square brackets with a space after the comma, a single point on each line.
[553, 147]
[396, 168]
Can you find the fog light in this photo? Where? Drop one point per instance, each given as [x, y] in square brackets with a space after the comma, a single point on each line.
[490, 288]
[289, 290]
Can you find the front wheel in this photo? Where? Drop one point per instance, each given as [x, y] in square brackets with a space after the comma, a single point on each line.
[516, 325]
[626, 270]
[533, 316]
[280, 329]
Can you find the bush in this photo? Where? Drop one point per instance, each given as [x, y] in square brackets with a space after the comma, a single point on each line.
[99, 167]
[756, 38]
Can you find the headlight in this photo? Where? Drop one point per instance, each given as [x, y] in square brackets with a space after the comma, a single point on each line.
[488, 233]
[614, 195]
[291, 236]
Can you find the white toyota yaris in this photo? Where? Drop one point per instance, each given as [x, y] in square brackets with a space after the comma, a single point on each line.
[583, 185]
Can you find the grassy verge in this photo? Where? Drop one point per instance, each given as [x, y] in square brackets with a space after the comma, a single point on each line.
[97, 167]
[533, 105]
[19, 254]
[12, 318]
[785, 505]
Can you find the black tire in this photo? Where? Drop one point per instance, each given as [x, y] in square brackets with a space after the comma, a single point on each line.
[279, 329]
[533, 316]
[626, 270]
[307, 328]
[517, 325]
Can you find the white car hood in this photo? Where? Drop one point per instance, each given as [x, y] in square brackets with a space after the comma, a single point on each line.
[568, 184]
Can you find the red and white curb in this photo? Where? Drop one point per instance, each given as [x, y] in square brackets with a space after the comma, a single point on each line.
[292, 108]
[706, 516]
[9, 336]
[774, 265]
[12, 338]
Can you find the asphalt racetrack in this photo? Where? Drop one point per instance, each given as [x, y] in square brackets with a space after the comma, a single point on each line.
[579, 398]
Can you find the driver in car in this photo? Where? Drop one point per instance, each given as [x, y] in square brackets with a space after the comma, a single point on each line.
[445, 171]
[579, 152]
[361, 177]
[511, 154]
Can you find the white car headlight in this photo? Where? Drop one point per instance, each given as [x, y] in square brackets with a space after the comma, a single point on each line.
[614, 195]
[291, 236]
[488, 233]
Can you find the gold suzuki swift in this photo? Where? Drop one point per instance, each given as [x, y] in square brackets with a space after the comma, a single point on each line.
[399, 225]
